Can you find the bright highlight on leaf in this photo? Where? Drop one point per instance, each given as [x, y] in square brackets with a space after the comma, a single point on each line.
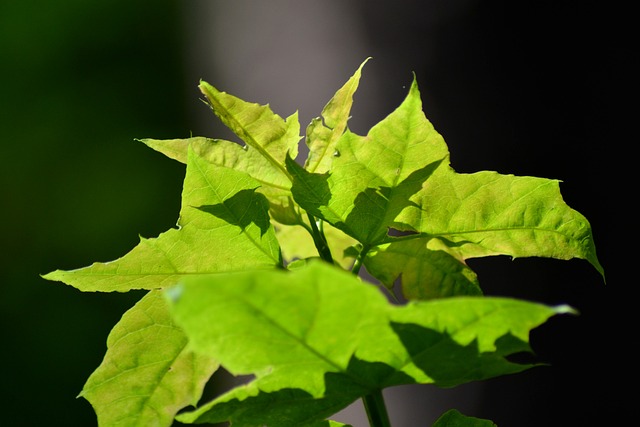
[260, 276]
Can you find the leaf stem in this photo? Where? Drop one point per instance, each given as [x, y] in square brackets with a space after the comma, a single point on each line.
[319, 240]
[358, 264]
[376, 409]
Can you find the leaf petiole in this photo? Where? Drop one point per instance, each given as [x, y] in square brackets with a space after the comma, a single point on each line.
[358, 264]
[319, 240]
[376, 409]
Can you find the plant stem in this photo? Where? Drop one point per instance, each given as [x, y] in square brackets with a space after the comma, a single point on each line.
[319, 240]
[376, 409]
[356, 265]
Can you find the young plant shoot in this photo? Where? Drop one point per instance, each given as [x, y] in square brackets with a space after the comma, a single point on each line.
[261, 274]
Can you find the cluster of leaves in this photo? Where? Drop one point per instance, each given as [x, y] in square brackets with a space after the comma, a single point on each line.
[260, 276]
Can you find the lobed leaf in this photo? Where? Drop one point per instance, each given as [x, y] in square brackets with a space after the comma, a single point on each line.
[258, 127]
[224, 225]
[323, 133]
[147, 374]
[317, 338]
[373, 177]
[399, 177]
[268, 140]
[486, 213]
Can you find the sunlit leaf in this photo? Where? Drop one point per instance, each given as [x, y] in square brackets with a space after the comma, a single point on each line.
[373, 177]
[224, 225]
[323, 132]
[317, 338]
[259, 128]
[487, 213]
[147, 374]
[399, 177]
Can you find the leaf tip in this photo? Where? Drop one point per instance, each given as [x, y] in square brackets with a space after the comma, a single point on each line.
[565, 309]
[52, 275]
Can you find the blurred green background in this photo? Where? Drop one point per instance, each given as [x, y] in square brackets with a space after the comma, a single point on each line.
[79, 81]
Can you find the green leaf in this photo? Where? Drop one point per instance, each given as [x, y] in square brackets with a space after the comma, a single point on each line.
[399, 177]
[317, 338]
[147, 374]
[373, 177]
[273, 183]
[224, 225]
[322, 136]
[259, 128]
[486, 213]
[454, 418]
[426, 267]
[268, 139]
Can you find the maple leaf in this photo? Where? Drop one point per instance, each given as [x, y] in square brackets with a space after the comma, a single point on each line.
[318, 338]
[224, 226]
[147, 374]
[398, 178]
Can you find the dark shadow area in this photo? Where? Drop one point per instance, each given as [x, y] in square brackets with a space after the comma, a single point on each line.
[242, 209]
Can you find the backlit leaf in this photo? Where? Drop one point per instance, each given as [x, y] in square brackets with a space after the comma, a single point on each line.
[486, 213]
[147, 374]
[318, 338]
[323, 132]
[259, 128]
[373, 177]
[224, 226]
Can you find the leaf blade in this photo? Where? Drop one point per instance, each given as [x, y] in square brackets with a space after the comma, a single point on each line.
[426, 268]
[322, 137]
[257, 126]
[373, 177]
[313, 352]
[147, 374]
[218, 205]
[487, 213]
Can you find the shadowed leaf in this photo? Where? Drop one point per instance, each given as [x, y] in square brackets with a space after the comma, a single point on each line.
[426, 267]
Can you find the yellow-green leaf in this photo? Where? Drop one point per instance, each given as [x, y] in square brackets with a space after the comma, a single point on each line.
[224, 225]
[323, 132]
[148, 374]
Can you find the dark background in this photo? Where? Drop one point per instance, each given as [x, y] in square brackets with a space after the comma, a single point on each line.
[528, 88]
